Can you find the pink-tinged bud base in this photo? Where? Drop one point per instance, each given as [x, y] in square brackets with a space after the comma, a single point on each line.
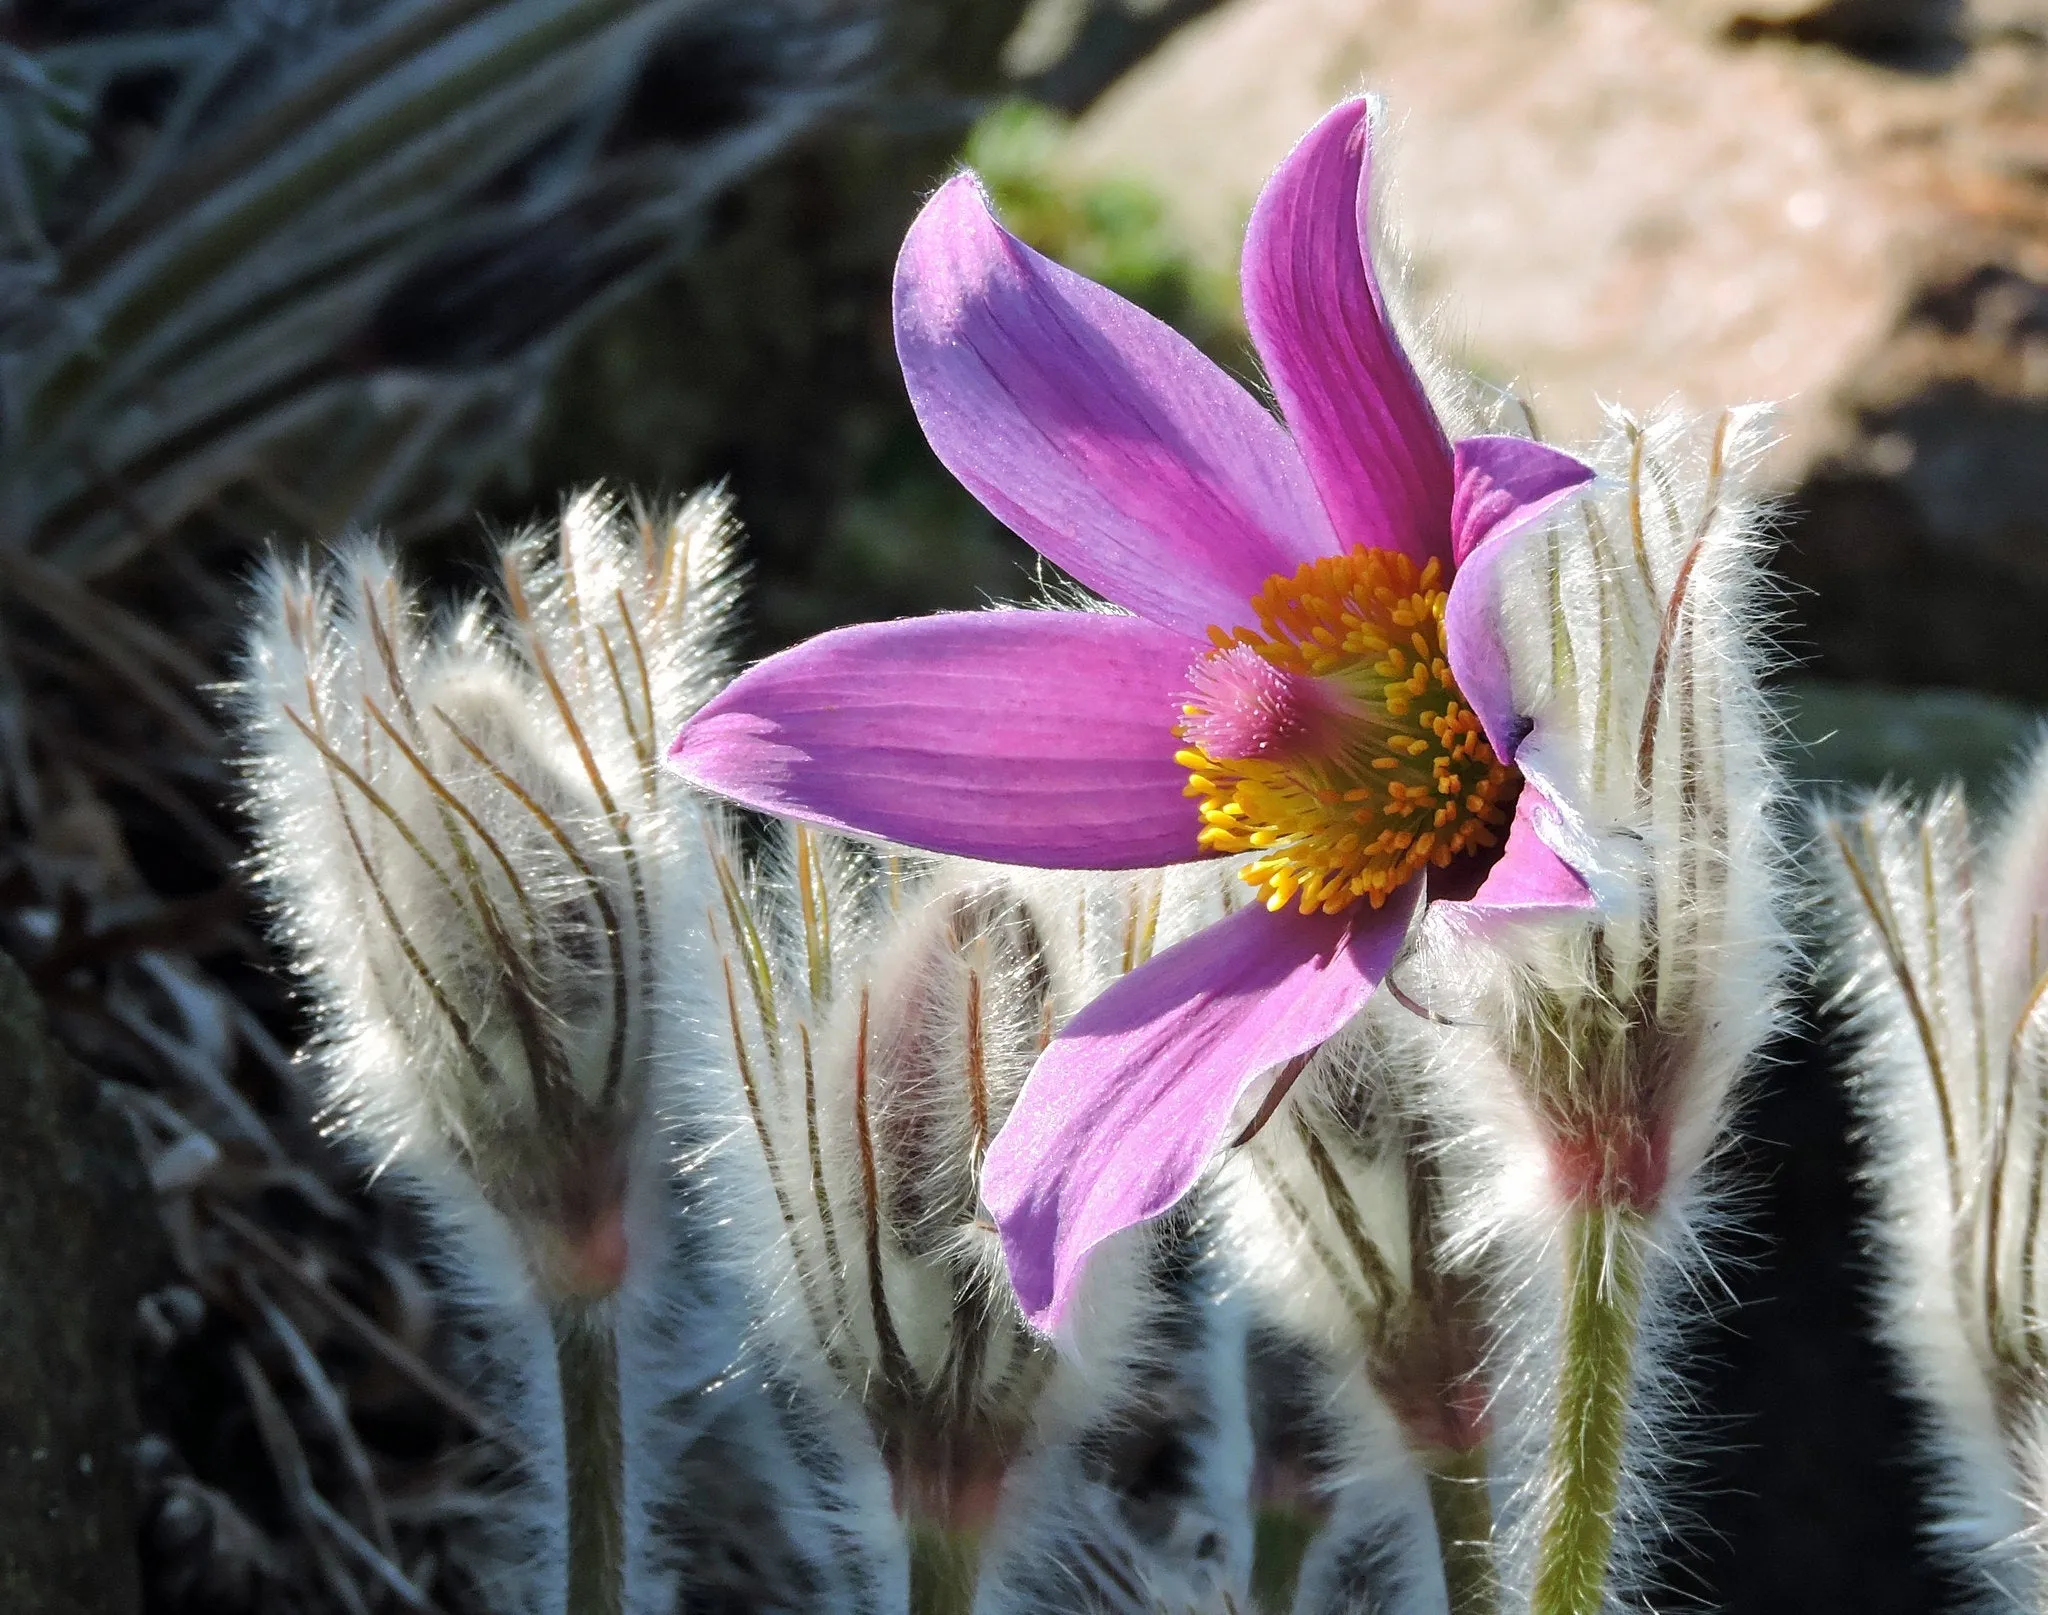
[597, 1262]
[1451, 1418]
[1619, 1162]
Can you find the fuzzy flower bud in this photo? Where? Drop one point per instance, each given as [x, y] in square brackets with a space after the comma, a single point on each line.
[1633, 629]
[883, 1020]
[1580, 1065]
[1337, 1207]
[475, 861]
[1944, 972]
[488, 887]
[1334, 1207]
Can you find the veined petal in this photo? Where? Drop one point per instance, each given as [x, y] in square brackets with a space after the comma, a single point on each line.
[1504, 485]
[1477, 654]
[1379, 458]
[1026, 737]
[1530, 878]
[1128, 1105]
[1101, 436]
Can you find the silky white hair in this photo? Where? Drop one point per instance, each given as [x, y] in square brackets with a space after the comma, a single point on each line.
[883, 1015]
[1402, 1216]
[1335, 1214]
[494, 896]
[475, 859]
[1597, 1055]
[1942, 967]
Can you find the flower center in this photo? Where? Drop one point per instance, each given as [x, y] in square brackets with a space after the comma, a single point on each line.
[1333, 742]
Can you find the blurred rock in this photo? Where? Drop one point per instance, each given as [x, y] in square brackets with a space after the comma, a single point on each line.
[77, 1240]
[1910, 33]
[1065, 53]
[1843, 205]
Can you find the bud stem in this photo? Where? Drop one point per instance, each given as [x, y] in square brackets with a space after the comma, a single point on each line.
[943, 1562]
[1462, 1502]
[587, 1361]
[1602, 1304]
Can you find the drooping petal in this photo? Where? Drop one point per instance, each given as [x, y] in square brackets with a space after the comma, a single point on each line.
[1373, 445]
[1504, 485]
[1101, 436]
[1530, 878]
[1026, 737]
[1128, 1105]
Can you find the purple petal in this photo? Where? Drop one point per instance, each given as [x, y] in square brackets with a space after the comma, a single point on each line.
[1102, 437]
[1529, 879]
[1027, 737]
[1129, 1104]
[1372, 442]
[1478, 658]
[1501, 484]
[1504, 485]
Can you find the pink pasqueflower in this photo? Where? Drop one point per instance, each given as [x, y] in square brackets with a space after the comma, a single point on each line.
[1308, 673]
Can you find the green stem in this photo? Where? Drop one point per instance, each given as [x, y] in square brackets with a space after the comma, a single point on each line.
[587, 1359]
[942, 1568]
[1463, 1505]
[1603, 1298]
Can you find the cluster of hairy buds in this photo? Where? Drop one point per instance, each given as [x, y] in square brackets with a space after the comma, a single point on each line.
[1943, 968]
[883, 1016]
[702, 1116]
[705, 1105]
[1425, 1131]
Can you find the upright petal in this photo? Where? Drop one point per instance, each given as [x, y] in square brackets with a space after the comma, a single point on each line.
[1373, 445]
[1026, 737]
[1479, 656]
[1102, 437]
[1503, 485]
[1128, 1105]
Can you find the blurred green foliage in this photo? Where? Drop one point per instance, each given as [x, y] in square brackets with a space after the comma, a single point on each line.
[1854, 737]
[1114, 231]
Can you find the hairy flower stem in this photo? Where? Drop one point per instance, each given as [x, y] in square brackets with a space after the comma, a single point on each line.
[1463, 1505]
[587, 1360]
[942, 1569]
[1603, 1298]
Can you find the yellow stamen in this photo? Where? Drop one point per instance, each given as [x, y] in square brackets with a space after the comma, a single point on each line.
[1402, 780]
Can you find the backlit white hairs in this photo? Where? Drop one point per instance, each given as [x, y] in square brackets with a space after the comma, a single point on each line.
[704, 1104]
[883, 1017]
[1337, 1211]
[705, 1124]
[1485, 1189]
[1589, 1083]
[493, 894]
[1943, 963]
[479, 866]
